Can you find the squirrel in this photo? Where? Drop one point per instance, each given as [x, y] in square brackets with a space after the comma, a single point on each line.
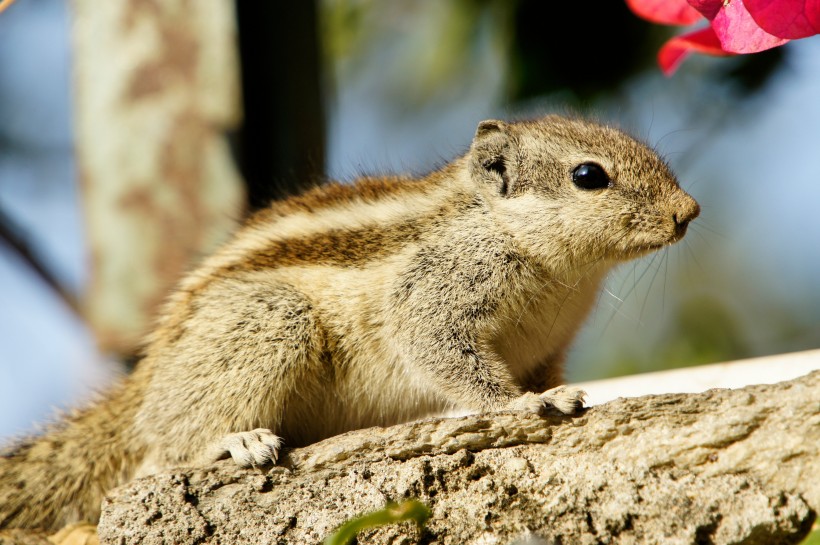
[369, 304]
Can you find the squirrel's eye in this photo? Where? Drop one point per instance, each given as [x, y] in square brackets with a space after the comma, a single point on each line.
[590, 176]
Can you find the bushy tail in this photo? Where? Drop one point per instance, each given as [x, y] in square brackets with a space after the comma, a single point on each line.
[61, 476]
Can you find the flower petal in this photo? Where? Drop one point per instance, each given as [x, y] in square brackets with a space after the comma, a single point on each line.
[665, 12]
[678, 48]
[739, 33]
[708, 8]
[786, 18]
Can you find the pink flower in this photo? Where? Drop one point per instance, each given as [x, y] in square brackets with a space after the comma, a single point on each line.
[735, 26]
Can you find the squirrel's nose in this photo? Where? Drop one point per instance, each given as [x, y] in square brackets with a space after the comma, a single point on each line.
[688, 211]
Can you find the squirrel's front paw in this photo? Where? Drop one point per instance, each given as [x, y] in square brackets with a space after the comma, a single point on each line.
[564, 399]
[248, 448]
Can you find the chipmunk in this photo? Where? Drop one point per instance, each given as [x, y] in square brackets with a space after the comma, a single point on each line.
[369, 304]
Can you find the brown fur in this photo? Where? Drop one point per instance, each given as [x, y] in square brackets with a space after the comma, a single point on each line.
[367, 304]
[366, 189]
[336, 247]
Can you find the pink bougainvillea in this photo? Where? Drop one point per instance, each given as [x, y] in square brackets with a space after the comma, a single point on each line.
[734, 26]
[791, 19]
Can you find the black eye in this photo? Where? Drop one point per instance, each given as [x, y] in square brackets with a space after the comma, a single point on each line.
[590, 176]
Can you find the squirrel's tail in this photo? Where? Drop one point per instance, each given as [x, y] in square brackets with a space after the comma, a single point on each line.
[61, 476]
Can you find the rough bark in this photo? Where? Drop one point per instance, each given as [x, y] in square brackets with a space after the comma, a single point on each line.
[724, 466]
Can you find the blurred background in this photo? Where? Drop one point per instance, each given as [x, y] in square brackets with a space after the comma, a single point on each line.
[135, 134]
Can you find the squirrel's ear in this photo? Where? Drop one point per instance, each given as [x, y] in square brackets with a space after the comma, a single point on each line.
[489, 126]
[492, 154]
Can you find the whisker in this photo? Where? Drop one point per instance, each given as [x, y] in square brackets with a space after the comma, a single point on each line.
[706, 227]
[606, 290]
[588, 268]
[649, 289]
[659, 143]
[617, 310]
[635, 282]
[693, 257]
[665, 277]
[646, 270]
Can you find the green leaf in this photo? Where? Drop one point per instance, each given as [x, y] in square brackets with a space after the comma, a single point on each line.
[409, 510]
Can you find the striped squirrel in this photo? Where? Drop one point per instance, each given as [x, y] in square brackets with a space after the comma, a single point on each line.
[369, 304]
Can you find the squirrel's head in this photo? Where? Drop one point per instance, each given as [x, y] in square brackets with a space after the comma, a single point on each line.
[570, 189]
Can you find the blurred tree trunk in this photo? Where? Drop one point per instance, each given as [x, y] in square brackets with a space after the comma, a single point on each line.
[156, 90]
[282, 139]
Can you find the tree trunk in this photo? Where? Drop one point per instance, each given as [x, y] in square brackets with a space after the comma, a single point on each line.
[156, 89]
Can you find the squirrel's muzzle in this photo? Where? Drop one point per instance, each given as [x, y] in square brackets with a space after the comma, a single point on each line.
[687, 210]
